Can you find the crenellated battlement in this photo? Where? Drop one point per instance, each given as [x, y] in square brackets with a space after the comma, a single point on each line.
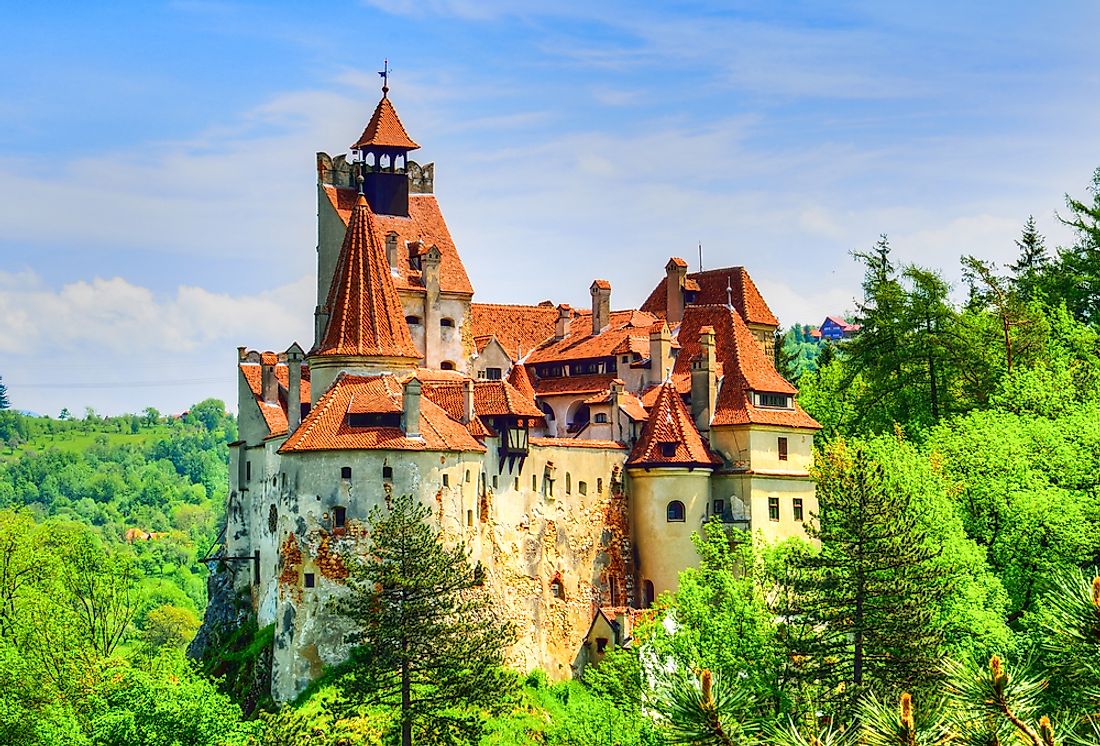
[340, 172]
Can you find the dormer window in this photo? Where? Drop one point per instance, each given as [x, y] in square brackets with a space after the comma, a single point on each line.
[668, 450]
[414, 256]
[374, 419]
[780, 401]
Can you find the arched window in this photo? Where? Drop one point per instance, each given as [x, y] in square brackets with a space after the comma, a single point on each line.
[675, 512]
[412, 320]
[446, 365]
[447, 323]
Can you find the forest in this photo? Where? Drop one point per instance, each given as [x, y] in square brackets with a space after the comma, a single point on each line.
[949, 594]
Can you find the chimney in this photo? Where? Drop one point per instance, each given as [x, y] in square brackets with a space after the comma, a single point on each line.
[294, 357]
[660, 353]
[675, 275]
[562, 326]
[242, 354]
[617, 387]
[391, 249]
[269, 384]
[429, 273]
[703, 383]
[410, 405]
[601, 305]
[320, 324]
[467, 401]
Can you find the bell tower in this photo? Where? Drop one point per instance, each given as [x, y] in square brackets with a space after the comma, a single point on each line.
[381, 155]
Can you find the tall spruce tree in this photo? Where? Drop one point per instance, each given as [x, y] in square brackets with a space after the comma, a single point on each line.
[1031, 262]
[873, 591]
[431, 644]
[1076, 278]
[4, 402]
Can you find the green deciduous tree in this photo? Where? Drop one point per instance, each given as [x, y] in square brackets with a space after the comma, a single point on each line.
[430, 638]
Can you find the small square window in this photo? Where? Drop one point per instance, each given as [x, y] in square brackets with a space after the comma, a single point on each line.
[719, 507]
[582, 487]
[668, 450]
[311, 580]
[798, 508]
[773, 508]
[493, 374]
[345, 472]
[601, 644]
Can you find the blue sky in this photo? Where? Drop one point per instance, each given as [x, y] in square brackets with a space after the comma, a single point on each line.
[157, 159]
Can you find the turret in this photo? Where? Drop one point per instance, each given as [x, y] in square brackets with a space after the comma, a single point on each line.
[381, 154]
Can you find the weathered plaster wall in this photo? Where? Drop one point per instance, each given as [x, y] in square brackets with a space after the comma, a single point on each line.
[665, 547]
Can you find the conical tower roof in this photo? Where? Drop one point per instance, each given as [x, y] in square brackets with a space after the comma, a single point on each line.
[384, 130]
[670, 437]
[521, 381]
[365, 316]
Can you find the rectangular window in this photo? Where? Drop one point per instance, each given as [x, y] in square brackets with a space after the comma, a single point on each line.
[719, 507]
[599, 486]
[493, 374]
[469, 518]
[311, 580]
[534, 483]
[773, 508]
[345, 472]
[494, 481]
[467, 476]
[582, 487]
[339, 516]
[774, 400]
[248, 471]
[798, 508]
[601, 644]
[782, 449]
[446, 480]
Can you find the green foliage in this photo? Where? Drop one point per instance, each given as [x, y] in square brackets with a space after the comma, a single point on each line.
[430, 637]
[5, 403]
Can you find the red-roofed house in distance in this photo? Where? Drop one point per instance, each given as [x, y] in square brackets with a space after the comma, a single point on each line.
[572, 450]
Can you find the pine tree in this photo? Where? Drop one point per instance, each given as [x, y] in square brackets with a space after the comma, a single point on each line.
[430, 641]
[786, 361]
[4, 403]
[872, 592]
[1076, 278]
[1033, 250]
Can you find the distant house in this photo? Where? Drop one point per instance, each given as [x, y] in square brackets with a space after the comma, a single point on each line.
[834, 327]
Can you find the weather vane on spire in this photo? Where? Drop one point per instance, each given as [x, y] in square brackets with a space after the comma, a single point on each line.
[385, 73]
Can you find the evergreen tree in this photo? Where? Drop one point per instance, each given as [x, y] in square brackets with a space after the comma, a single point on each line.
[1033, 260]
[1076, 278]
[786, 361]
[431, 644]
[4, 403]
[873, 592]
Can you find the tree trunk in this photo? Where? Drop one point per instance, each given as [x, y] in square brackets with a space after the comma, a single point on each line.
[406, 701]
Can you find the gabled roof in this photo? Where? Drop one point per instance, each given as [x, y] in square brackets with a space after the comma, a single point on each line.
[385, 129]
[670, 430]
[326, 427]
[736, 350]
[519, 329]
[425, 225]
[624, 333]
[365, 314]
[274, 414]
[521, 381]
[491, 399]
[710, 287]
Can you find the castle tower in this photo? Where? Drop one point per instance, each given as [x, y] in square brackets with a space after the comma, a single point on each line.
[366, 331]
[382, 153]
[670, 469]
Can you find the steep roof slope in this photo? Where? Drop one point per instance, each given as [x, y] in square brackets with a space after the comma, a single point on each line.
[670, 437]
[710, 287]
[385, 129]
[365, 315]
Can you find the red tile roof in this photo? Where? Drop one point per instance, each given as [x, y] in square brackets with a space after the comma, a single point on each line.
[574, 385]
[519, 329]
[327, 429]
[582, 344]
[424, 224]
[274, 414]
[670, 425]
[365, 314]
[518, 377]
[734, 407]
[736, 350]
[576, 443]
[630, 404]
[385, 129]
[491, 399]
[711, 290]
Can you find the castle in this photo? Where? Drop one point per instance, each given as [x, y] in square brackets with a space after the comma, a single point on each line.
[573, 451]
